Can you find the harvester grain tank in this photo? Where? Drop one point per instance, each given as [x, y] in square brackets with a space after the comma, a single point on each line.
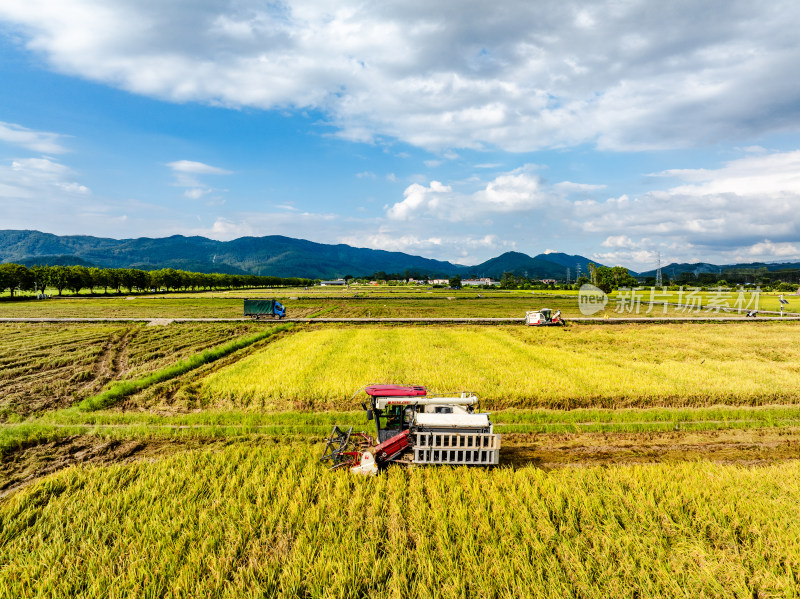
[414, 428]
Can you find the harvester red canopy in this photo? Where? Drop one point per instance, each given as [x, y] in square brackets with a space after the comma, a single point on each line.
[395, 391]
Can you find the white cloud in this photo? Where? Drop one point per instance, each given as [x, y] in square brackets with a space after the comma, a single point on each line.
[516, 75]
[462, 249]
[36, 179]
[570, 187]
[38, 141]
[514, 192]
[44, 194]
[618, 241]
[743, 211]
[185, 176]
[291, 223]
[773, 250]
[419, 198]
[196, 168]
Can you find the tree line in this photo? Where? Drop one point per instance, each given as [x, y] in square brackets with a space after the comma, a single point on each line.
[16, 278]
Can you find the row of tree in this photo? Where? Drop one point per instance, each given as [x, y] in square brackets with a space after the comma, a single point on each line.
[16, 278]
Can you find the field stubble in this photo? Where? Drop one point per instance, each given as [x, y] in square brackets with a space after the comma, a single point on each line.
[47, 366]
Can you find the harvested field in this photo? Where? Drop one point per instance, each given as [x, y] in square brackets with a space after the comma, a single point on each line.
[49, 366]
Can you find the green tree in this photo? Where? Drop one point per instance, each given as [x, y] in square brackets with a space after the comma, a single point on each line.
[78, 278]
[455, 282]
[15, 277]
[508, 281]
[609, 279]
[59, 277]
[41, 277]
[100, 278]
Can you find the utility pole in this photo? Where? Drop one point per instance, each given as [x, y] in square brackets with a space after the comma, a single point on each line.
[659, 281]
[568, 275]
[577, 271]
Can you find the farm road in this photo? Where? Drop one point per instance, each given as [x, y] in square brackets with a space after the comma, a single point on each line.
[473, 321]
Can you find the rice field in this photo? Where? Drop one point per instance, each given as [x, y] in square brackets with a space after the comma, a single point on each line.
[46, 366]
[359, 303]
[587, 366]
[674, 473]
[253, 521]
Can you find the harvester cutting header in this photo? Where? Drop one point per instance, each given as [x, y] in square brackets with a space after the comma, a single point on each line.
[413, 427]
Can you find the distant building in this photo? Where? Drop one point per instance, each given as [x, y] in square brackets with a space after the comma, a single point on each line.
[439, 281]
[330, 283]
[549, 281]
[475, 282]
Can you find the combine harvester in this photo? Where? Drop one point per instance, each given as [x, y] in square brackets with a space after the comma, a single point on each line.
[414, 428]
[543, 318]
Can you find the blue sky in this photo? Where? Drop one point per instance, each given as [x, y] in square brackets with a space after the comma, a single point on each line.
[456, 131]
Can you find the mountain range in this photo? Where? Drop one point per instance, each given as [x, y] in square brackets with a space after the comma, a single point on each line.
[281, 256]
[271, 255]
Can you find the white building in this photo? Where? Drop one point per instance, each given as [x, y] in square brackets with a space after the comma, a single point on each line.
[483, 281]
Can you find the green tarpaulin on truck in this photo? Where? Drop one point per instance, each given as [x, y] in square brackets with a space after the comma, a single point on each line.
[252, 307]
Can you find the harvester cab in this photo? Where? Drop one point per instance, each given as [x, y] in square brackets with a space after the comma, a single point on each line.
[413, 427]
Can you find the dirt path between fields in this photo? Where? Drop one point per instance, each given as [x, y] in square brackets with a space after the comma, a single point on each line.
[745, 447]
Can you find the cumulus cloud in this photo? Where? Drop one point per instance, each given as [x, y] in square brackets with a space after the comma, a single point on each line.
[744, 202]
[745, 210]
[514, 192]
[516, 75]
[38, 141]
[185, 176]
[419, 198]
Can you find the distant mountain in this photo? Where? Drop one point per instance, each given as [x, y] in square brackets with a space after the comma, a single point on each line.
[675, 269]
[569, 261]
[54, 261]
[523, 265]
[271, 255]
